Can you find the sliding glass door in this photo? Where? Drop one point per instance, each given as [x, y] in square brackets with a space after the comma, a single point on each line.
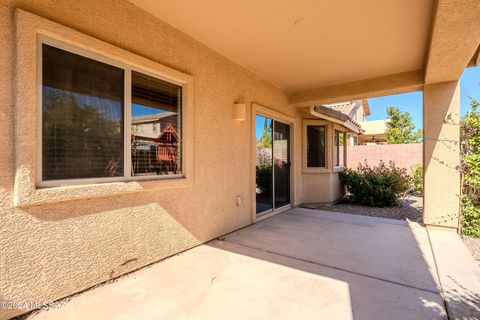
[272, 164]
[264, 163]
[281, 163]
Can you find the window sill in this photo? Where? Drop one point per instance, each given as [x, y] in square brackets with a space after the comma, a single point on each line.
[27, 194]
[310, 170]
[97, 181]
[338, 169]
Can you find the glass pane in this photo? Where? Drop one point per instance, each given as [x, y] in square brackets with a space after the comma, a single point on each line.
[315, 146]
[341, 149]
[82, 117]
[336, 150]
[281, 156]
[264, 171]
[156, 132]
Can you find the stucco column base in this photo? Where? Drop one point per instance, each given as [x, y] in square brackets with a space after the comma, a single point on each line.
[441, 154]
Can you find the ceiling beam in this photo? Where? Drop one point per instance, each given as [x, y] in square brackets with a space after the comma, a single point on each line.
[369, 88]
[454, 39]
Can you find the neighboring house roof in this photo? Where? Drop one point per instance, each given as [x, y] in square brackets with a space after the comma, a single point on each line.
[334, 115]
[366, 107]
[332, 112]
[350, 107]
[152, 117]
[343, 113]
[347, 108]
[374, 127]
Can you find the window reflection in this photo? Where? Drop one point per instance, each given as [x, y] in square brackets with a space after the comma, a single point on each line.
[339, 152]
[82, 117]
[264, 163]
[155, 126]
[315, 146]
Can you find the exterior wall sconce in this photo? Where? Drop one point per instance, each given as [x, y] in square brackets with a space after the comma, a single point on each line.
[239, 111]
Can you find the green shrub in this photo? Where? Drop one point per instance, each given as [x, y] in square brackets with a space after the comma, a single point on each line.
[470, 169]
[417, 179]
[470, 218]
[378, 186]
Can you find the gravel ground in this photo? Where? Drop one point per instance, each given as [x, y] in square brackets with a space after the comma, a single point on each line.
[473, 246]
[411, 207]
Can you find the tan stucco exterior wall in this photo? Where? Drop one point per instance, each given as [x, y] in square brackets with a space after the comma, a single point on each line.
[81, 243]
[316, 188]
[322, 188]
[441, 117]
[322, 185]
[55, 249]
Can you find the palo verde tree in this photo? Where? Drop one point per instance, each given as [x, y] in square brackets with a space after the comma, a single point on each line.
[400, 128]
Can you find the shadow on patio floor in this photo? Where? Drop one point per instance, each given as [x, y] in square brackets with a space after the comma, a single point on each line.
[301, 264]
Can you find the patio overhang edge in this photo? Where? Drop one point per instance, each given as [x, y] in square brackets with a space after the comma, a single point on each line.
[368, 88]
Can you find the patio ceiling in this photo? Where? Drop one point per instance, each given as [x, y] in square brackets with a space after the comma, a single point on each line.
[307, 44]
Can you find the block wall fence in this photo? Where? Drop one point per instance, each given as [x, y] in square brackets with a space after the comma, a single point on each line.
[404, 155]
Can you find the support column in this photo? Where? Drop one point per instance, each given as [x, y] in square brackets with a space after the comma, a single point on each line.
[441, 154]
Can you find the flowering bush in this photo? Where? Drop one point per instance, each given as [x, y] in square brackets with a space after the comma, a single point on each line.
[378, 186]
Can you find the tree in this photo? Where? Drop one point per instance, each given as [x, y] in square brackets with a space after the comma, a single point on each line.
[266, 139]
[80, 137]
[400, 128]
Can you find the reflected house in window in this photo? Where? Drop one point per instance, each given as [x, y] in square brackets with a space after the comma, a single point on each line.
[155, 126]
[150, 126]
[155, 143]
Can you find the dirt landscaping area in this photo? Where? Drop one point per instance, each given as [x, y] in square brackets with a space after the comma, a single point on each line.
[411, 208]
[473, 246]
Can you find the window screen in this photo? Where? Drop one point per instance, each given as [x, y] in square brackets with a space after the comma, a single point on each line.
[315, 146]
[82, 117]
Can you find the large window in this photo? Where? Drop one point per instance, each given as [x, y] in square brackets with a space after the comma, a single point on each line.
[316, 146]
[95, 113]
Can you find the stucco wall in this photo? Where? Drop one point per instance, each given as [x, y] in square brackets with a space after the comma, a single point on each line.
[338, 188]
[404, 155]
[321, 185]
[322, 188]
[316, 188]
[441, 118]
[84, 242]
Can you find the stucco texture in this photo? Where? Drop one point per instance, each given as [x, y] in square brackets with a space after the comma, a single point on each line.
[406, 155]
[53, 250]
[69, 241]
[441, 158]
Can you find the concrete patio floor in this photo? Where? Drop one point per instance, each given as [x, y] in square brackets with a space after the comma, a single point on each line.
[300, 264]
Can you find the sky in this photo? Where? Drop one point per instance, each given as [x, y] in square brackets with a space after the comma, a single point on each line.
[412, 102]
[140, 110]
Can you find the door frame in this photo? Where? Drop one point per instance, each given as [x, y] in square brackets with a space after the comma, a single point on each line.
[286, 119]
